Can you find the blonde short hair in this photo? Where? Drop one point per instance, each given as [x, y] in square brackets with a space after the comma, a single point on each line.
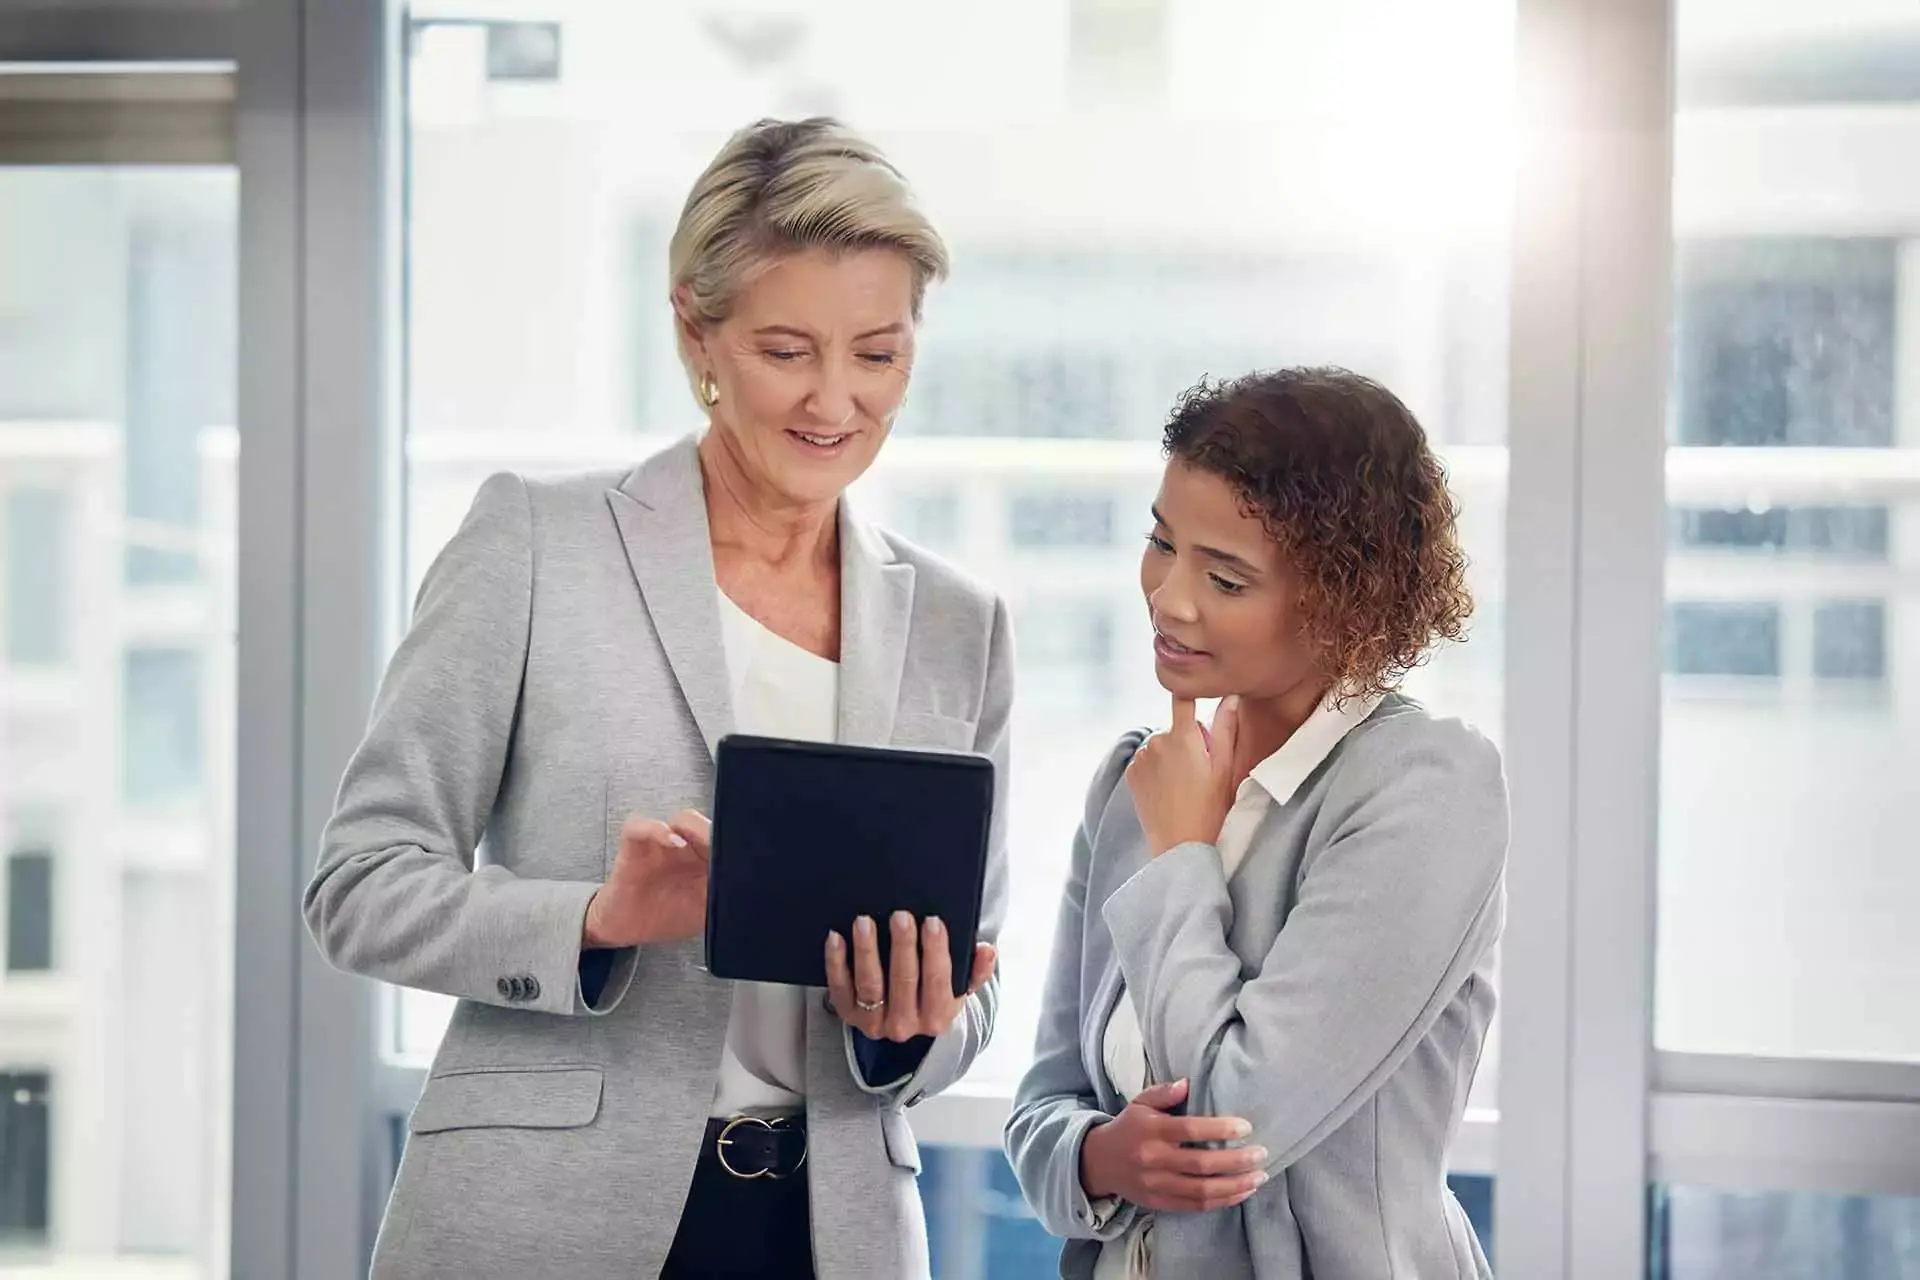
[779, 187]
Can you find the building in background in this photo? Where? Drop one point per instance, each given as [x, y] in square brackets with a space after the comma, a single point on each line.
[1138, 193]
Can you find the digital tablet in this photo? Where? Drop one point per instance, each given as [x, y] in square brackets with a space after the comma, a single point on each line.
[808, 836]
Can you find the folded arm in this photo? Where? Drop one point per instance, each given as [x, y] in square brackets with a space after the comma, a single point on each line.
[1394, 912]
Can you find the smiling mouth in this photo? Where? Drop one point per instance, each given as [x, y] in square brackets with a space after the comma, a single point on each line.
[819, 441]
[1175, 647]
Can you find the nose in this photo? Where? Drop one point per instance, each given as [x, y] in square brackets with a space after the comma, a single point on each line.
[1171, 600]
[833, 395]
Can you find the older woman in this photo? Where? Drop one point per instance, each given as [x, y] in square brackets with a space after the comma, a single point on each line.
[1273, 970]
[600, 1105]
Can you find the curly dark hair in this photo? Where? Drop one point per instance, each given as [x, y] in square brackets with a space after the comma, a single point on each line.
[1340, 473]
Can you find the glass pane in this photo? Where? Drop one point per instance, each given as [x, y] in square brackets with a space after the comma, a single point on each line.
[1134, 199]
[1789, 723]
[979, 1227]
[117, 448]
[29, 911]
[1703, 1234]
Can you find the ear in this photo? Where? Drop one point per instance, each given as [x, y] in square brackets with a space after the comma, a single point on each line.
[686, 321]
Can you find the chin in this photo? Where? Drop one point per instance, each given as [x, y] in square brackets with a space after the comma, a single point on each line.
[822, 479]
[1197, 685]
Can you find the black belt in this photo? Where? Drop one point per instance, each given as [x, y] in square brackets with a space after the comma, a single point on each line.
[750, 1147]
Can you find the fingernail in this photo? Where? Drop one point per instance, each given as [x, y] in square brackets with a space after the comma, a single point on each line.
[935, 927]
[1258, 1155]
[863, 927]
[674, 839]
[834, 940]
[903, 921]
[1260, 1179]
[1241, 1128]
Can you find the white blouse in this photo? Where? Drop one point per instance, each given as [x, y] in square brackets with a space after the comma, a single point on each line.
[779, 691]
[1275, 780]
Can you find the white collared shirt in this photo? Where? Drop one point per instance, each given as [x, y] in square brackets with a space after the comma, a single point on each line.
[780, 691]
[1275, 780]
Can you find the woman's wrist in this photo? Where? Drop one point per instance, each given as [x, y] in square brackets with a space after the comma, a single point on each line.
[1092, 1162]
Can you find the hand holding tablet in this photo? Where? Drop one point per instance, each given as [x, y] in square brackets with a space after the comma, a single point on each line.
[917, 998]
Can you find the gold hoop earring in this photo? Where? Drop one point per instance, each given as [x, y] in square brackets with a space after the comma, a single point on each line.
[709, 390]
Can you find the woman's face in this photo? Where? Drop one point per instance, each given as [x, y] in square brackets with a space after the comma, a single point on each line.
[1224, 603]
[812, 366]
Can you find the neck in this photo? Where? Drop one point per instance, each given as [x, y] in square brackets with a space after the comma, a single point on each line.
[746, 515]
[1266, 724]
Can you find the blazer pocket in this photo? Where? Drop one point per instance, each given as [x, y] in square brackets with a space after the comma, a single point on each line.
[931, 729]
[902, 1148]
[517, 1098]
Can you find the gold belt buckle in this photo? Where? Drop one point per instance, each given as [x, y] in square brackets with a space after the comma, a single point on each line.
[771, 1126]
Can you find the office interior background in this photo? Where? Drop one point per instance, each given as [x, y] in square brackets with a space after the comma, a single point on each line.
[282, 281]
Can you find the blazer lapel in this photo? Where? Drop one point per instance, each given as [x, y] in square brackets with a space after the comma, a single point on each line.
[876, 607]
[661, 512]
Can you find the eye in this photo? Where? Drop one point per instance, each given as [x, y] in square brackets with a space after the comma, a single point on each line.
[1160, 544]
[786, 356]
[1227, 586]
[878, 359]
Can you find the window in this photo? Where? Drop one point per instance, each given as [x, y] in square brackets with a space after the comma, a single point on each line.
[163, 737]
[29, 934]
[33, 598]
[1857, 533]
[930, 517]
[1061, 520]
[974, 390]
[26, 1135]
[1723, 639]
[1791, 559]
[117, 373]
[1850, 640]
[1704, 1234]
[1785, 341]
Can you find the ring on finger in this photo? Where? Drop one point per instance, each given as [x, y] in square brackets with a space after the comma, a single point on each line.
[871, 1006]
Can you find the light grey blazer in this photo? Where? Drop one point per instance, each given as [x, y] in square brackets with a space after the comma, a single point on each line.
[565, 669]
[1335, 994]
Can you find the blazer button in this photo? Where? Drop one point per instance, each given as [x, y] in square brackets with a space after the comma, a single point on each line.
[505, 988]
[529, 987]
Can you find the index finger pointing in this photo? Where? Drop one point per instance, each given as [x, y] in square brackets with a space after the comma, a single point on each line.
[1184, 717]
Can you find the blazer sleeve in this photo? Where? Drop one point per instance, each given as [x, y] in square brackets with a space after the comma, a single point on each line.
[951, 1053]
[1394, 912]
[1056, 1105]
[396, 895]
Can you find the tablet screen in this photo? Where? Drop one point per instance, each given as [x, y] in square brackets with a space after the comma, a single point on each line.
[809, 836]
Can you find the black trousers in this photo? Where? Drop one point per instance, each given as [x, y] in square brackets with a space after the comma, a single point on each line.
[742, 1227]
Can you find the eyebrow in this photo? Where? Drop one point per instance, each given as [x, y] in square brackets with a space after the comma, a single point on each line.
[1227, 558]
[788, 331]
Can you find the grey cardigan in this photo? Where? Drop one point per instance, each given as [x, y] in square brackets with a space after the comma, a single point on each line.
[565, 669]
[1335, 994]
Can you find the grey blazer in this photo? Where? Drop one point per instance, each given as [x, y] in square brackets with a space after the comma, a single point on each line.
[1335, 994]
[565, 669]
